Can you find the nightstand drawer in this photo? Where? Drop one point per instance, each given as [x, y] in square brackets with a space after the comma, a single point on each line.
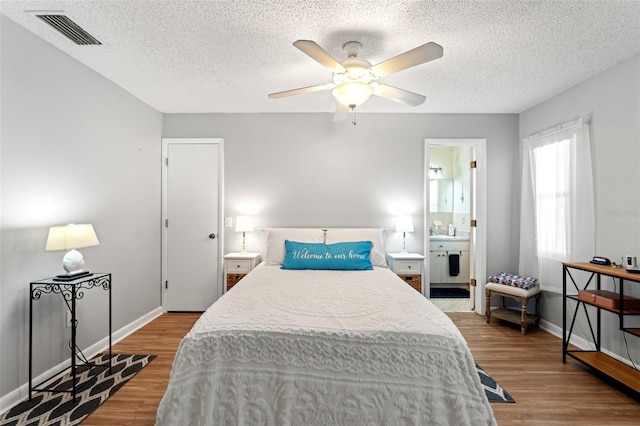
[232, 279]
[414, 281]
[408, 267]
[238, 266]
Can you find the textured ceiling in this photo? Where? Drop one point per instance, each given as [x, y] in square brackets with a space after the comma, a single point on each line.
[226, 56]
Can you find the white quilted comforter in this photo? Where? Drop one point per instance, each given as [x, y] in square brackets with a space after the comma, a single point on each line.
[323, 348]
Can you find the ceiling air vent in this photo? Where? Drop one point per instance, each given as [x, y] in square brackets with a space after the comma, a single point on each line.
[69, 29]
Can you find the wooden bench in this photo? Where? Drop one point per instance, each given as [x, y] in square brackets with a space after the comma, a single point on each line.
[520, 295]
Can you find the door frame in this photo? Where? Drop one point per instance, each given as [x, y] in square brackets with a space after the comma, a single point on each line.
[479, 243]
[220, 236]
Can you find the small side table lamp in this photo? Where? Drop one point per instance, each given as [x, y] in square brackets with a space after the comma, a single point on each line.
[404, 224]
[244, 224]
[71, 237]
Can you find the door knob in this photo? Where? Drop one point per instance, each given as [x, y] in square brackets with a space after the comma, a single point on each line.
[212, 236]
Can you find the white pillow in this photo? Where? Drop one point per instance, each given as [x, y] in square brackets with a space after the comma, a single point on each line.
[274, 252]
[377, 256]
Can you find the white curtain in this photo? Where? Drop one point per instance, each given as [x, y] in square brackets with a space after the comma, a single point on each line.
[557, 214]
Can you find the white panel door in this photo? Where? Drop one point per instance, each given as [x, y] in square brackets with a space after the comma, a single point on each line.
[191, 221]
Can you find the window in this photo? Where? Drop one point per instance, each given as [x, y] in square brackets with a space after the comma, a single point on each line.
[551, 191]
[557, 214]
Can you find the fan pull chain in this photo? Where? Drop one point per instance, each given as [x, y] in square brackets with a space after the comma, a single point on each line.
[353, 117]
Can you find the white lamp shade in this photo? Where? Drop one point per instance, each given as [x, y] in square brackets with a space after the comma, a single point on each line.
[404, 224]
[68, 237]
[244, 224]
[352, 94]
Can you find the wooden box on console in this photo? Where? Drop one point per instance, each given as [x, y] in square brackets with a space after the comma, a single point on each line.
[608, 299]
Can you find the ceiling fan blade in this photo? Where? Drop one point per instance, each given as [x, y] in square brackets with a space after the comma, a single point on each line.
[398, 95]
[342, 112]
[313, 50]
[419, 55]
[300, 91]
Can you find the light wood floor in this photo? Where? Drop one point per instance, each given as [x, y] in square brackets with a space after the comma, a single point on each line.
[529, 367]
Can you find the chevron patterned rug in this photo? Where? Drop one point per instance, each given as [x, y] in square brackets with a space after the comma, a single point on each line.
[95, 386]
[494, 392]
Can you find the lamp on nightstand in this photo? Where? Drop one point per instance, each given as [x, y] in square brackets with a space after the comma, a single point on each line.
[71, 237]
[244, 224]
[404, 224]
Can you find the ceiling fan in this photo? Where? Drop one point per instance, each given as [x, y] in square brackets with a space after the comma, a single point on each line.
[355, 79]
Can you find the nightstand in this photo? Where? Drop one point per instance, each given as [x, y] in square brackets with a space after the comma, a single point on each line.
[408, 266]
[237, 265]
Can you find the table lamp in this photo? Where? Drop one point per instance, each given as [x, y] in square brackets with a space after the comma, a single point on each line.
[71, 237]
[244, 224]
[404, 224]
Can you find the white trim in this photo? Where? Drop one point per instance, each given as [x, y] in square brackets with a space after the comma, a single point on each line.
[221, 228]
[21, 393]
[480, 252]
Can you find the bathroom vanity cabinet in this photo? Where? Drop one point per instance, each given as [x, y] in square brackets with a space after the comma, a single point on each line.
[440, 249]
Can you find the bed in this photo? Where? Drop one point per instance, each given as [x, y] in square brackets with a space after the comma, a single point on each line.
[323, 347]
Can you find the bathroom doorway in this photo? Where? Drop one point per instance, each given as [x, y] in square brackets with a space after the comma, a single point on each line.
[455, 206]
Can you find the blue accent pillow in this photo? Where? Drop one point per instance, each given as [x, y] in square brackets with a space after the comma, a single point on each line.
[338, 256]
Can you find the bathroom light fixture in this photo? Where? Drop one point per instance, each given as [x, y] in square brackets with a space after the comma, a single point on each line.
[404, 224]
[435, 172]
[244, 224]
[71, 237]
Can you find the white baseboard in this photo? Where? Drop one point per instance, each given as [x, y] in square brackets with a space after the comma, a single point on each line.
[18, 395]
[551, 328]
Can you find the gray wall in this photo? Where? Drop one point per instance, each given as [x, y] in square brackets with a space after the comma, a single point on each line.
[306, 170]
[612, 99]
[75, 148]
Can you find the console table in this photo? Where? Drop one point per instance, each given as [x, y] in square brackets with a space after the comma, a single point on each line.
[71, 291]
[619, 372]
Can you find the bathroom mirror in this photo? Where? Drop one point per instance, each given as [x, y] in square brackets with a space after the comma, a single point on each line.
[441, 196]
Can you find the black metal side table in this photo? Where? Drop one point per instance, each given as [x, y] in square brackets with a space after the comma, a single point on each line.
[71, 291]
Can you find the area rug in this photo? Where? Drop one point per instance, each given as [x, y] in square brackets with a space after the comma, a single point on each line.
[494, 392]
[449, 293]
[96, 385]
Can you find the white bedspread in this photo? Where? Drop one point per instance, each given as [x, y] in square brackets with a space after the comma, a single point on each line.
[323, 348]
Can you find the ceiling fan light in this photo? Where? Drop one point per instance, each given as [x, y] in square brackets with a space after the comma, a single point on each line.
[352, 94]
